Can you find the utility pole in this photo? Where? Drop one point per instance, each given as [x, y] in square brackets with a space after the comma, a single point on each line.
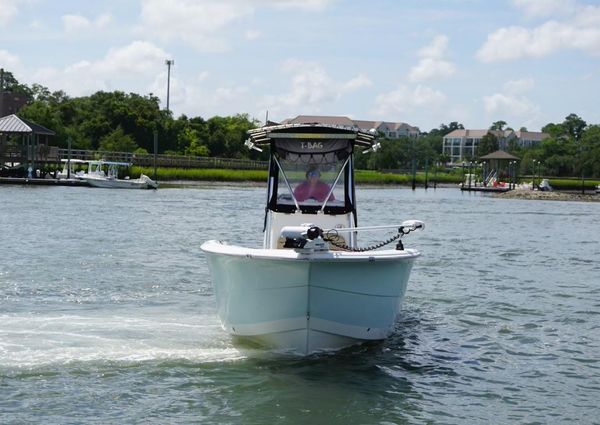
[169, 63]
[1, 92]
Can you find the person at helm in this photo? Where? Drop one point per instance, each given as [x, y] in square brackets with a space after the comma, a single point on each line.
[312, 187]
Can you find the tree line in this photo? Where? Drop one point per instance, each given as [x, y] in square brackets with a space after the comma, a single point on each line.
[572, 149]
[127, 122]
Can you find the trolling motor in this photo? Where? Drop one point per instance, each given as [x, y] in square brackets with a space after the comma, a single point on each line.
[305, 236]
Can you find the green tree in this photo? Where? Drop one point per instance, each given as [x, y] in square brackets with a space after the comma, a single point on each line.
[444, 129]
[554, 130]
[574, 126]
[557, 156]
[193, 146]
[117, 141]
[488, 144]
[11, 85]
[391, 155]
[498, 125]
[590, 143]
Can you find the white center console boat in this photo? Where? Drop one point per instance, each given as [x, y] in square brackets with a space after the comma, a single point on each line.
[311, 287]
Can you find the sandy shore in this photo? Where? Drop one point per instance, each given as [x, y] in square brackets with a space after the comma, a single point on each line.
[589, 196]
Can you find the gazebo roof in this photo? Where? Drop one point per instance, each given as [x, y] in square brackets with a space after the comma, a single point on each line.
[12, 124]
[500, 155]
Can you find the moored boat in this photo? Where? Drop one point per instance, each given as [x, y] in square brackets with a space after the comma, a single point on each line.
[96, 177]
[73, 169]
[311, 287]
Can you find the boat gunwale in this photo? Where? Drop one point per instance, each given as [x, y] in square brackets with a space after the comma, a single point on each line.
[212, 247]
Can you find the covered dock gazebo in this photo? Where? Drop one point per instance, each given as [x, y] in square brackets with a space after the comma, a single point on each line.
[500, 164]
[24, 142]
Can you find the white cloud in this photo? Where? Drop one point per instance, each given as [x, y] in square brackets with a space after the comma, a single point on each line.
[75, 24]
[512, 102]
[519, 86]
[225, 95]
[129, 68]
[543, 8]
[207, 25]
[311, 85]
[299, 4]
[103, 21]
[436, 49]
[8, 60]
[311, 89]
[577, 30]
[252, 34]
[404, 99]
[196, 23]
[500, 104]
[429, 69]
[356, 83]
[198, 97]
[8, 10]
[432, 64]
[137, 57]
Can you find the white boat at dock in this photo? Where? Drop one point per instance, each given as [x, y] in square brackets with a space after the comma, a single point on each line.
[73, 169]
[311, 288]
[96, 177]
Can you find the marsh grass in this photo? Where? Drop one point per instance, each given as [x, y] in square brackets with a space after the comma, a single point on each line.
[572, 184]
[231, 175]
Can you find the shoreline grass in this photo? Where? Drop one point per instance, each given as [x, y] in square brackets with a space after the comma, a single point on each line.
[232, 175]
[361, 176]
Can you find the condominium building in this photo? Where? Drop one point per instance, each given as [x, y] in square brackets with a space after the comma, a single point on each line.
[390, 130]
[462, 144]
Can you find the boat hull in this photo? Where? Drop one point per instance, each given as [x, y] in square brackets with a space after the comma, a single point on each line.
[143, 182]
[306, 303]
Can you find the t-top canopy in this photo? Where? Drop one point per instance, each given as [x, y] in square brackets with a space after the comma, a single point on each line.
[301, 134]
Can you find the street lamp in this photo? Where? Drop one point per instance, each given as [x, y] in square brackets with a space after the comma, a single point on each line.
[470, 174]
[482, 174]
[533, 178]
[169, 63]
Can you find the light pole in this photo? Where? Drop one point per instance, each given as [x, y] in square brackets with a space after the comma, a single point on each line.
[533, 179]
[414, 165]
[484, 172]
[1, 92]
[514, 175]
[169, 63]
[470, 174]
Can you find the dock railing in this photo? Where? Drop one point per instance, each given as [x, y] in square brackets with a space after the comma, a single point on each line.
[168, 161]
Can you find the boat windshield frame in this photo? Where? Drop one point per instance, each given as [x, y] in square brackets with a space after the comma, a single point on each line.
[295, 149]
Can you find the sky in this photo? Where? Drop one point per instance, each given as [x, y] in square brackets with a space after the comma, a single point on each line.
[423, 62]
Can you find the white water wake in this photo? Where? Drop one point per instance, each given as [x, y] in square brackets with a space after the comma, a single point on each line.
[29, 341]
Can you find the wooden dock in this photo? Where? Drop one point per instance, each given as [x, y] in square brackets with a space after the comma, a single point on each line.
[492, 189]
[42, 182]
